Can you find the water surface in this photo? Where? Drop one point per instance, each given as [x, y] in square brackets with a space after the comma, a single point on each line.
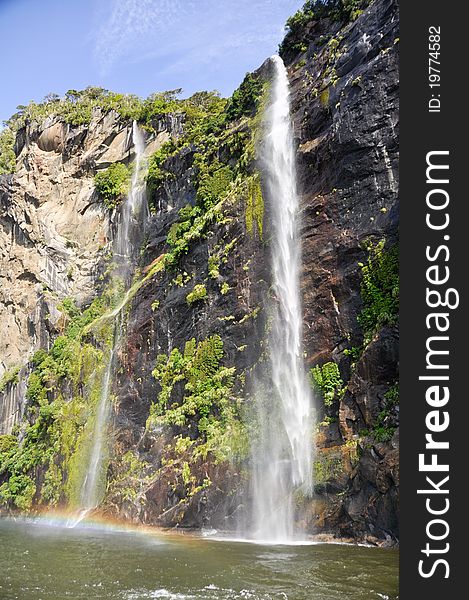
[44, 562]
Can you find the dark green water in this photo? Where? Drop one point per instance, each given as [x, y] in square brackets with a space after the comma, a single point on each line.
[43, 562]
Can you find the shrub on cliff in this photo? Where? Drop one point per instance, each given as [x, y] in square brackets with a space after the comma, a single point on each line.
[7, 155]
[213, 184]
[245, 99]
[223, 162]
[113, 184]
[10, 376]
[205, 414]
[198, 293]
[379, 288]
[157, 174]
[326, 379]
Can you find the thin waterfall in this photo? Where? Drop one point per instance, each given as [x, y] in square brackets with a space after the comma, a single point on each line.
[282, 450]
[91, 488]
[126, 242]
[134, 209]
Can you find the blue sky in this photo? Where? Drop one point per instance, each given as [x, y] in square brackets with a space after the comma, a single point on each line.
[135, 46]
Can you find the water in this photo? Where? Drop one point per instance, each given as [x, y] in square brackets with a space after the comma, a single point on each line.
[12, 402]
[133, 213]
[283, 450]
[39, 562]
[127, 240]
[91, 491]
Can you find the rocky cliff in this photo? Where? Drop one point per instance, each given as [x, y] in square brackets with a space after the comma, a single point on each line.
[345, 89]
[195, 320]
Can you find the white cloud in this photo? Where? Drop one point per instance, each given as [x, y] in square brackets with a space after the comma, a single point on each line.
[183, 32]
[129, 26]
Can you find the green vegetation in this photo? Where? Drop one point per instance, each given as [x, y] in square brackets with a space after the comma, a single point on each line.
[379, 291]
[328, 420]
[221, 137]
[190, 227]
[328, 468]
[113, 183]
[157, 174]
[219, 256]
[57, 432]
[379, 288]
[386, 422]
[10, 376]
[184, 467]
[7, 155]
[392, 395]
[245, 100]
[213, 266]
[327, 380]
[76, 107]
[214, 183]
[297, 36]
[196, 400]
[182, 279]
[335, 464]
[207, 123]
[254, 205]
[210, 129]
[129, 473]
[198, 293]
[19, 491]
[203, 116]
[324, 97]
[354, 352]
[382, 433]
[251, 315]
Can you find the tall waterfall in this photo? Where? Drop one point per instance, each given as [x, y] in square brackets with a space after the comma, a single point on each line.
[282, 452]
[130, 225]
[127, 239]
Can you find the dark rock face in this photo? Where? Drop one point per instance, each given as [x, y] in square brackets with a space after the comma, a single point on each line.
[347, 165]
[344, 100]
[233, 315]
[346, 126]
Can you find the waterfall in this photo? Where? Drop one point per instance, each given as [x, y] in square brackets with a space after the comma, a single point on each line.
[12, 402]
[126, 242]
[90, 491]
[129, 229]
[282, 450]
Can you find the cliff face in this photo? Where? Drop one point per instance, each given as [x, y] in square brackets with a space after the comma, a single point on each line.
[54, 233]
[204, 275]
[231, 264]
[345, 110]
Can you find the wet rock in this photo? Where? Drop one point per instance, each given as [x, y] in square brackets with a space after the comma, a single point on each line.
[346, 117]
